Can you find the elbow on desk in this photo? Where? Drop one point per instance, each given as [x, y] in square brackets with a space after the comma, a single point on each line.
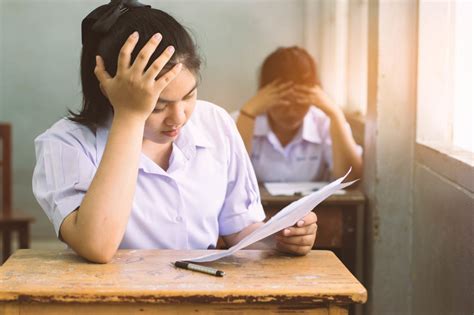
[94, 251]
[92, 244]
[98, 255]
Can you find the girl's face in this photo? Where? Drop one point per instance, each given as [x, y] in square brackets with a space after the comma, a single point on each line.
[173, 109]
[288, 117]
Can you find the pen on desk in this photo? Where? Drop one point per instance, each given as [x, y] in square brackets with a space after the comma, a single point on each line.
[199, 268]
[301, 193]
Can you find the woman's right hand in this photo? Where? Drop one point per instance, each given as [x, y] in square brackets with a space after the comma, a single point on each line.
[134, 92]
[270, 95]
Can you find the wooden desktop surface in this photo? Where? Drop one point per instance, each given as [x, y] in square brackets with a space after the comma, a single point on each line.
[50, 282]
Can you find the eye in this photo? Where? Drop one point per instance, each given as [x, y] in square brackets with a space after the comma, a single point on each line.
[190, 95]
[160, 107]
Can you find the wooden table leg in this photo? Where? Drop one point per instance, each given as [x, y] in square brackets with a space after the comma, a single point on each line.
[24, 237]
[349, 239]
[7, 244]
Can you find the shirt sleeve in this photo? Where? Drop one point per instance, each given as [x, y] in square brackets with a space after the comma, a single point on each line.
[235, 115]
[61, 178]
[242, 205]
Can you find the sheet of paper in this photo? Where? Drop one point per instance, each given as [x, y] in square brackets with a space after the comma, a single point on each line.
[296, 188]
[287, 217]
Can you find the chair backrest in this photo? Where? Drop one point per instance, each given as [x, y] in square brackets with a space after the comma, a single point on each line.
[6, 169]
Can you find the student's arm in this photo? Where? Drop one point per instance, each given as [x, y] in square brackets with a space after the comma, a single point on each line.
[296, 240]
[268, 96]
[344, 148]
[96, 228]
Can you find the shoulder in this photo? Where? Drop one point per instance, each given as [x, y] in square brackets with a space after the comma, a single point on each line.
[317, 119]
[317, 115]
[69, 133]
[207, 109]
[211, 117]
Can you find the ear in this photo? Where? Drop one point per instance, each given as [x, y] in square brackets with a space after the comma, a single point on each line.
[103, 91]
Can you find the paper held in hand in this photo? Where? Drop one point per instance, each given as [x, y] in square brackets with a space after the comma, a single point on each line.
[287, 217]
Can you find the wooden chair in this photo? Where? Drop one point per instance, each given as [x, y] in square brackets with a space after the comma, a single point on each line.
[10, 221]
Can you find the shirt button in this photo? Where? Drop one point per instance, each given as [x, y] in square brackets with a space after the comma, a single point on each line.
[179, 219]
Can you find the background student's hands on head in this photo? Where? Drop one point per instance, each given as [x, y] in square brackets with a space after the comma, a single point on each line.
[133, 90]
[298, 239]
[316, 96]
[268, 96]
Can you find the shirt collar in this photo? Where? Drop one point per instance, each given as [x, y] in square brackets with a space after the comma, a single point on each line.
[190, 138]
[309, 132]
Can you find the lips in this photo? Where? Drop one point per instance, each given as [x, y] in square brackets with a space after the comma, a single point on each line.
[171, 133]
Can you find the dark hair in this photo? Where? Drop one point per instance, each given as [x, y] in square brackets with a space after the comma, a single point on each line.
[96, 108]
[289, 64]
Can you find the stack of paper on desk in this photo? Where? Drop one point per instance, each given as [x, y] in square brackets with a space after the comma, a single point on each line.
[287, 217]
[296, 188]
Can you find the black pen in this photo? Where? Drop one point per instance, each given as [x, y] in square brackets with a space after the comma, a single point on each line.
[301, 193]
[199, 268]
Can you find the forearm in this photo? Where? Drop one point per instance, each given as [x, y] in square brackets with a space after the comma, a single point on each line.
[246, 126]
[233, 239]
[101, 220]
[344, 148]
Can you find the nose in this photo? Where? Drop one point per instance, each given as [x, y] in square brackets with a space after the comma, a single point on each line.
[176, 114]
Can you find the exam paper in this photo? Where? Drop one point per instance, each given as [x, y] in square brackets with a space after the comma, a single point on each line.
[296, 188]
[287, 217]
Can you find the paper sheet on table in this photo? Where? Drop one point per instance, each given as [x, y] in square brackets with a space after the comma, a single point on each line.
[287, 217]
[296, 188]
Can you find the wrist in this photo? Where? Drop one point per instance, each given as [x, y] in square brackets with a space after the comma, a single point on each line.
[245, 113]
[129, 120]
[335, 113]
[250, 108]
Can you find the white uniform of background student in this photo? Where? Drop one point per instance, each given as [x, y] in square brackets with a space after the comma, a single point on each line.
[291, 128]
[307, 157]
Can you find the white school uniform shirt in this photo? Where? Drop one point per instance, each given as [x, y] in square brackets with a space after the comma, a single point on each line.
[308, 157]
[209, 189]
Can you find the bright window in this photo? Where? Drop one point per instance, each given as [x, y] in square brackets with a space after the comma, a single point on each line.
[445, 106]
[463, 84]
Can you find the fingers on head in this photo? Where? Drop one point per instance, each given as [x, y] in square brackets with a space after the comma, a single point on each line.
[100, 71]
[160, 62]
[145, 53]
[126, 52]
[169, 76]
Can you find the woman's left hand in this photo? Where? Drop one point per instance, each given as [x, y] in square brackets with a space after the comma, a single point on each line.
[298, 239]
[315, 95]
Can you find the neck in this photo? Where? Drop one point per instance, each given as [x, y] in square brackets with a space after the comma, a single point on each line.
[159, 153]
[283, 135]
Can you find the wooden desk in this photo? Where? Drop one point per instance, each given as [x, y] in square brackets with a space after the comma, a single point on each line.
[340, 224]
[144, 281]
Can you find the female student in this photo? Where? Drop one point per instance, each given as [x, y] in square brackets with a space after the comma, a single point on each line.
[291, 128]
[144, 164]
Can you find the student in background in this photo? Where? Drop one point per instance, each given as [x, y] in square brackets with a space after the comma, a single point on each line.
[144, 164]
[291, 128]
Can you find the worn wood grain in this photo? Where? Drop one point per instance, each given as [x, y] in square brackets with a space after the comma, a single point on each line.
[254, 279]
